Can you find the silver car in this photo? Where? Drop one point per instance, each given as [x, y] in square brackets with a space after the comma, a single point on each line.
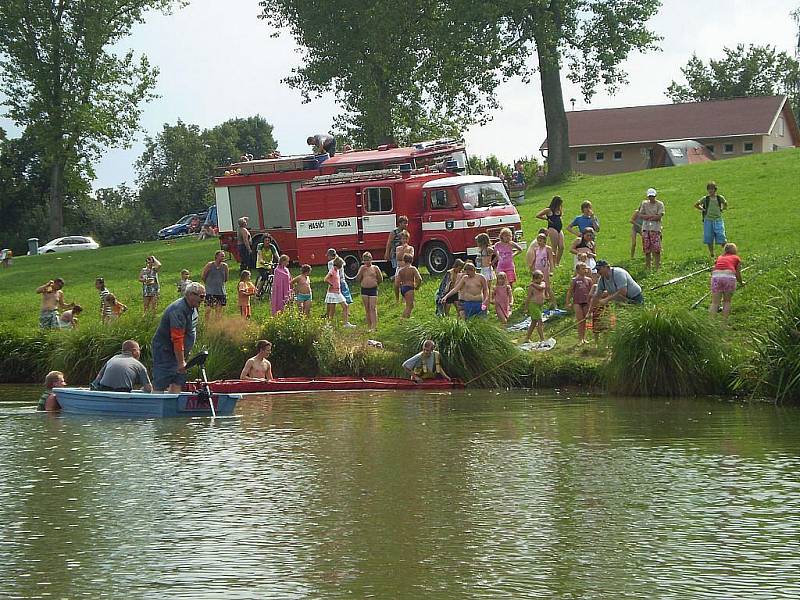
[69, 244]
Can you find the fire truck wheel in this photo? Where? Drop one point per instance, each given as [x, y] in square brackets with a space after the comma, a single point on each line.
[437, 258]
[351, 265]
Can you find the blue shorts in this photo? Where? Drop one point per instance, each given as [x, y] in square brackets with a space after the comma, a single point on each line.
[163, 378]
[714, 231]
[472, 308]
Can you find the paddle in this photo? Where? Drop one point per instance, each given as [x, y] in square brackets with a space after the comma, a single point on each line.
[679, 278]
[200, 360]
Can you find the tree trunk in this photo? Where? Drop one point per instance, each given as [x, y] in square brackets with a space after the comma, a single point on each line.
[558, 158]
[56, 199]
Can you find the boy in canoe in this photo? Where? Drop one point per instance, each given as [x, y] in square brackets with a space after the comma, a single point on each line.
[258, 368]
[426, 364]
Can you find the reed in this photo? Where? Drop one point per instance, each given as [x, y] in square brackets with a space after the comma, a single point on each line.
[774, 371]
[301, 345]
[475, 350]
[666, 352]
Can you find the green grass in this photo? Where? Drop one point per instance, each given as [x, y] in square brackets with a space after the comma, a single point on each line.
[761, 190]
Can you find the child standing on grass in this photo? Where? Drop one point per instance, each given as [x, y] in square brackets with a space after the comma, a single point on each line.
[100, 286]
[486, 259]
[502, 297]
[281, 285]
[47, 401]
[184, 282]
[402, 249]
[406, 282]
[344, 288]
[506, 250]
[112, 308]
[246, 289]
[302, 289]
[150, 286]
[369, 277]
[334, 295]
[533, 305]
[578, 296]
[542, 258]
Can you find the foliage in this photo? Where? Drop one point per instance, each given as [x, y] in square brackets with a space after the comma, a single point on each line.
[479, 165]
[666, 352]
[227, 342]
[60, 81]
[300, 345]
[775, 370]
[24, 356]
[362, 361]
[743, 71]
[395, 67]
[473, 351]
[115, 216]
[175, 170]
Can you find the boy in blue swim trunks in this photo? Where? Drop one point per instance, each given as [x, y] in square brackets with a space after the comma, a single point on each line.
[406, 282]
[712, 206]
[302, 289]
[474, 292]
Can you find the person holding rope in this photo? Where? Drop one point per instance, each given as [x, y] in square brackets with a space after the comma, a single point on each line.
[426, 364]
[619, 285]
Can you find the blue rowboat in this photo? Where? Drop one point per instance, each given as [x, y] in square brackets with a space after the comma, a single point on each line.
[84, 401]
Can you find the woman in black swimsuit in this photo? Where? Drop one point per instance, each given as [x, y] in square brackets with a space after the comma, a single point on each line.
[552, 214]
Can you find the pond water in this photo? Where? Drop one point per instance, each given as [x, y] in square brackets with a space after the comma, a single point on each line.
[382, 495]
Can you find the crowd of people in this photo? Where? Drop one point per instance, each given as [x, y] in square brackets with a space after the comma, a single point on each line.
[470, 287]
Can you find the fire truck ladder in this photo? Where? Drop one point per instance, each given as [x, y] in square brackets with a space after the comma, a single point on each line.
[349, 177]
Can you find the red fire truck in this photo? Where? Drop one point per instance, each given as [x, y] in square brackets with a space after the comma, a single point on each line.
[269, 193]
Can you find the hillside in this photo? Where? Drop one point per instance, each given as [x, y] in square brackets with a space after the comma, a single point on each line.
[760, 190]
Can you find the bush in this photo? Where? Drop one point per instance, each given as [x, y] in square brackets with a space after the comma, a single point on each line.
[363, 361]
[473, 351]
[23, 356]
[774, 371]
[666, 352]
[301, 345]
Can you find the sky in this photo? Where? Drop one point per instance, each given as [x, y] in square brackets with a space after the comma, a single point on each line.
[219, 64]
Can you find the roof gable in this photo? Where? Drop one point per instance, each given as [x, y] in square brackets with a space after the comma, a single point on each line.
[690, 120]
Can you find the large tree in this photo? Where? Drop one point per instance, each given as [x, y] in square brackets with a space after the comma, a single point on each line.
[742, 71]
[63, 82]
[391, 65]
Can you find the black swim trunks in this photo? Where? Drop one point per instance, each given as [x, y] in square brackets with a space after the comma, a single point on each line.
[369, 291]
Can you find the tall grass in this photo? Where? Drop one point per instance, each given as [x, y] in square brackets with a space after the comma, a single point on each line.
[301, 345]
[666, 352]
[775, 370]
[475, 350]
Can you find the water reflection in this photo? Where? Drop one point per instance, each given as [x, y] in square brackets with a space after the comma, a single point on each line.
[378, 495]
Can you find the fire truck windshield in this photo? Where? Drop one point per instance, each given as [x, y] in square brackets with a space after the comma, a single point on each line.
[483, 195]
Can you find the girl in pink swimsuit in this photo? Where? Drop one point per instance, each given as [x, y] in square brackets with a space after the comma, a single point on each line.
[541, 258]
[503, 298]
[506, 250]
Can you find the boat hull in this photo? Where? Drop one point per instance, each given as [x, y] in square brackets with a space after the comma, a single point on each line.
[139, 404]
[318, 384]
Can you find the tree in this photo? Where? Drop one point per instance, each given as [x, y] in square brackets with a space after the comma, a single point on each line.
[62, 82]
[390, 65]
[228, 141]
[743, 71]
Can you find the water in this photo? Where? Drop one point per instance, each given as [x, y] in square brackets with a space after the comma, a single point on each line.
[382, 495]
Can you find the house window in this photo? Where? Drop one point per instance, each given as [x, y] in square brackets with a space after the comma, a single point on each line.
[617, 154]
[747, 147]
[378, 199]
[581, 156]
[780, 127]
[599, 156]
[710, 148]
[727, 149]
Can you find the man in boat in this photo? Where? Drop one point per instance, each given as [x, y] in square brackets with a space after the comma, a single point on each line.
[123, 372]
[52, 300]
[474, 292]
[174, 339]
[258, 368]
[425, 365]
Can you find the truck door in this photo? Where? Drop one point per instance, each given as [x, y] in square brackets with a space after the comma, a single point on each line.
[443, 218]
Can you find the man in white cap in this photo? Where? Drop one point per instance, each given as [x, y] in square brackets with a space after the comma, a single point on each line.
[651, 211]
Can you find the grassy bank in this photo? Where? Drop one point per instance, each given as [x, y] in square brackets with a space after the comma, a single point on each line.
[759, 188]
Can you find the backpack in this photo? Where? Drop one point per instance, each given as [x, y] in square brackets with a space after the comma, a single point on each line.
[707, 199]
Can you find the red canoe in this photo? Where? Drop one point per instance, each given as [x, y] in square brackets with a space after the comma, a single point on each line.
[316, 384]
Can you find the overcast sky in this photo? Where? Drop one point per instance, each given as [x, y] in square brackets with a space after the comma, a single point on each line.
[218, 63]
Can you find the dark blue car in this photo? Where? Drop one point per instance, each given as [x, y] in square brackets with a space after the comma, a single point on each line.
[186, 224]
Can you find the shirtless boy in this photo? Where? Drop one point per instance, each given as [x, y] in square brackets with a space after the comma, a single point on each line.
[52, 300]
[406, 282]
[533, 305]
[258, 367]
[369, 278]
[302, 289]
[474, 292]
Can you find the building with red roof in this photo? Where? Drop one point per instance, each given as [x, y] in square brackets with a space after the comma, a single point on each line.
[617, 140]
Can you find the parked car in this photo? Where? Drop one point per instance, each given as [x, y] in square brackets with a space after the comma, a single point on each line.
[186, 224]
[69, 244]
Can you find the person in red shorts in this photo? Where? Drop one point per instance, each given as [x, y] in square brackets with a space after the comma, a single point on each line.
[651, 211]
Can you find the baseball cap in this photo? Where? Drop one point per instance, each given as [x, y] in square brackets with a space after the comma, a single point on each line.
[601, 263]
[651, 191]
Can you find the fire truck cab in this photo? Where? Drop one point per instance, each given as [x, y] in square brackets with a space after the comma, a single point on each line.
[355, 212]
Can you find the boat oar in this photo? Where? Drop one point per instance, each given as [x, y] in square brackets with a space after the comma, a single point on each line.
[679, 278]
[200, 359]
